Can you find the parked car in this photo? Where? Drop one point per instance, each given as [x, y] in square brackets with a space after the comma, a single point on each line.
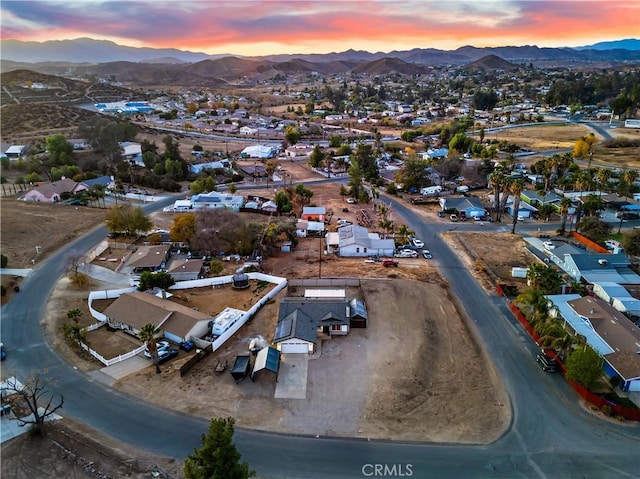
[416, 242]
[3, 353]
[407, 253]
[440, 214]
[160, 346]
[187, 345]
[546, 363]
[389, 262]
[548, 245]
[351, 201]
[167, 354]
[453, 218]
[427, 254]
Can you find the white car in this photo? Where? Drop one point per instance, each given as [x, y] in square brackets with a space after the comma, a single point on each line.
[407, 253]
[548, 245]
[416, 242]
[351, 201]
[160, 346]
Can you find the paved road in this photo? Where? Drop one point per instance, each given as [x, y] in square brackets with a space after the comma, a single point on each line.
[550, 436]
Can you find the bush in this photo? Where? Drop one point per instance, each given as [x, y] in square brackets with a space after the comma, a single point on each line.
[606, 410]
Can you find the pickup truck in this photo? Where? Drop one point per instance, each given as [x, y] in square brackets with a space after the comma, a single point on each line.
[389, 262]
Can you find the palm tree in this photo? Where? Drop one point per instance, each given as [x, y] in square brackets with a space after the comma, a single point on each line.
[148, 334]
[496, 181]
[516, 187]
[630, 177]
[403, 234]
[603, 176]
[565, 204]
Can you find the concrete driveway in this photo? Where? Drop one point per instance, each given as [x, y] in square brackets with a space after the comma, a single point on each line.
[110, 374]
[292, 377]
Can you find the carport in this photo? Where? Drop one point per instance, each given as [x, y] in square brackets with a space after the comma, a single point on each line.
[268, 358]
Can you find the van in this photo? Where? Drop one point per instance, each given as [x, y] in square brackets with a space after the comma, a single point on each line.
[546, 363]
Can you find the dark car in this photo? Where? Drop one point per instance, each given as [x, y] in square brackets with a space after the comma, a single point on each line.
[167, 354]
[3, 353]
[389, 263]
[546, 363]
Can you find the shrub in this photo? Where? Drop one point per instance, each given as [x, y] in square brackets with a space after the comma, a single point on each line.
[606, 410]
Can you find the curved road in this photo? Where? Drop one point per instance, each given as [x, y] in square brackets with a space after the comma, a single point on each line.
[550, 435]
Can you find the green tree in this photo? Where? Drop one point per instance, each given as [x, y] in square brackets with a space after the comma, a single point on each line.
[74, 314]
[402, 235]
[148, 334]
[283, 202]
[215, 267]
[584, 366]
[516, 187]
[460, 143]
[316, 158]
[127, 219]
[631, 243]
[218, 457]
[292, 134]
[544, 278]
[160, 279]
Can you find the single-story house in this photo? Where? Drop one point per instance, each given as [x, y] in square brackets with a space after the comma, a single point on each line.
[149, 258]
[104, 181]
[434, 154]
[303, 321]
[314, 213]
[15, 152]
[353, 240]
[469, 205]
[618, 297]
[532, 198]
[309, 228]
[132, 152]
[52, 192]
[212, 165]
[260, 151]
[185, 269]
[214, 199]
[599, 268]
[178, 323]
[607, 331]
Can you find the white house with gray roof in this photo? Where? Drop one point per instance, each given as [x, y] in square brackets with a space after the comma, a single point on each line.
[599, 268]
[214, 199]
[354, 241]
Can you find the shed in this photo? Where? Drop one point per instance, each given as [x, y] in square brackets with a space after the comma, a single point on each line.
[241, 367]
[358, 313]
[269, 359]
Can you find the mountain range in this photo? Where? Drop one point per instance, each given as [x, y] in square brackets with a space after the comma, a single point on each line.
[87, 50]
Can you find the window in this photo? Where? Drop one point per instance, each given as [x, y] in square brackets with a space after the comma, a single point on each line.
[365, 250]
[336, 327]
[357, 250]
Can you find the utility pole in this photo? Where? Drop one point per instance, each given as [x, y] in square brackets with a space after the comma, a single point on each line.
[320, 262]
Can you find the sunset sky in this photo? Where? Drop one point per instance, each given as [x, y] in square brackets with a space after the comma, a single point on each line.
[248, 27]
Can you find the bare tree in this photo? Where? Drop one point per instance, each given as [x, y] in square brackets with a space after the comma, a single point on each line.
[36, 395]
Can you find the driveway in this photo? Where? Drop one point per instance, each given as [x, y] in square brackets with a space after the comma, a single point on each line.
[292, 377]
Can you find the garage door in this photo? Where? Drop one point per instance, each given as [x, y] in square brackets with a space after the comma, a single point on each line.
[293, 348]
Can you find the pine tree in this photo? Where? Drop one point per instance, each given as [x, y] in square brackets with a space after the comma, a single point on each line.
[218, 458]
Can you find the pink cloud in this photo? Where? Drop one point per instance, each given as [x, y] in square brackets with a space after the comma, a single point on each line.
[295, 24]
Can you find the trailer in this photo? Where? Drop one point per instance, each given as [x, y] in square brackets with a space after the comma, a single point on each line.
[241, 367]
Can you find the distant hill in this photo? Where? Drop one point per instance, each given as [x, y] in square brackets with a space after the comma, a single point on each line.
[387, 65]
[626, 44]
[491, 63]
[90, 50]
[86, 50]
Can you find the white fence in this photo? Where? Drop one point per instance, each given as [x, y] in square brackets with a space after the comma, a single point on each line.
[106, 294]
[117, 359]
[97, 251]
[280, 283]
